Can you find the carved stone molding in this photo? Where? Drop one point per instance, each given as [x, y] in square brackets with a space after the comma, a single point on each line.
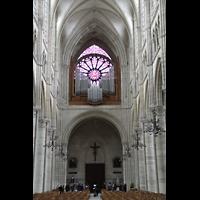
[36, 108]
[43, 122]
[52, 131]
[34, 113]
[160, 110]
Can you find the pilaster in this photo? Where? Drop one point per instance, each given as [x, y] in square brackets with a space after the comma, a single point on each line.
[150, 161]
[39, 164]
[48, 165]
[34, 136]
[160, 141]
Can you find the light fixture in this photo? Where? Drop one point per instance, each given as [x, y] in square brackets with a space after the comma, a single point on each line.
[61, 154]
[137, 141]
[127, 153]
[52, 143]
[154, 127]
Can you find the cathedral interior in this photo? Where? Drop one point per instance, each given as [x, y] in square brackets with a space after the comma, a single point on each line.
[99, 93]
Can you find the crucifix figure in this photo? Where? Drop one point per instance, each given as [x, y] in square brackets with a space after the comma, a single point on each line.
[95, 150]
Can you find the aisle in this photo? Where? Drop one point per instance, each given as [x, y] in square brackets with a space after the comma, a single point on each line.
[94, 198]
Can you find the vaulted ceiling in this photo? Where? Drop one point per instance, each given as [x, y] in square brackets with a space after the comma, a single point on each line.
[110, 21]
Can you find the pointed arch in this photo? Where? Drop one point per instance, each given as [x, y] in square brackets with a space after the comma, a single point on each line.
[98, 42]
[94, 114]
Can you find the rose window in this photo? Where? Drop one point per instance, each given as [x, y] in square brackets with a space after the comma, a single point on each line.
[94, 69]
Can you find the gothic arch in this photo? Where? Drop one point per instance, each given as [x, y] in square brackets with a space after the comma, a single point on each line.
[97, 42]
[70, 45]
[113, 121]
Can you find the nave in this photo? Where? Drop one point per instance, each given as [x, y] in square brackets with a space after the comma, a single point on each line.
[99, 93]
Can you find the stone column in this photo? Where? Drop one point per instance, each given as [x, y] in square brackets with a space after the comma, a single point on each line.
[124, 84]
[162, 38]
[136, 167]
[150, 161]
[34, 136]
[132, 163]
[53, 170]
[161, 151]
[39, 163]
[65, 172]
[141, 162]
[48, 164]
[149, 53]
[56, 168]
[124, 161]
[67, 78]
[65, 83]
[141, 159]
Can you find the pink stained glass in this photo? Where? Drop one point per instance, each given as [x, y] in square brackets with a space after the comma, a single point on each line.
[85, 66]
[103, 66]
[94, 49]
[100, 62]
[94, 62]
[83, 70]
[89, 64]
[94, 74]
[105, 70]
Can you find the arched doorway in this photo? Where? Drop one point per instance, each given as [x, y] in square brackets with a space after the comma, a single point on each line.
[94, 165]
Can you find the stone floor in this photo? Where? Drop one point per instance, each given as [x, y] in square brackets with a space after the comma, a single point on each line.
[94, 198]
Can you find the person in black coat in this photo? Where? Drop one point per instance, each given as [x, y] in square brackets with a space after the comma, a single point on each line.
[115, 186]
[72, 188]
[124, 187]
[97, 189]
[120, 187]
[109, 186]
[104, 186]
[67, 187]
[60, 188]
[81, 187]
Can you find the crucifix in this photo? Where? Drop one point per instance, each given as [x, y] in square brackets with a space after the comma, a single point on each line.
[95, 150]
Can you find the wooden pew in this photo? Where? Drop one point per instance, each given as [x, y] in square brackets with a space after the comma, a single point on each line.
[55, 195]
[131, 195]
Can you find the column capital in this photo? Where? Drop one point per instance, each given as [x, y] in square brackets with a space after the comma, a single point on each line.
[51, 130]
[34, 113]
[36, 108]
[44, 122]
[160, 110]
[136, 128]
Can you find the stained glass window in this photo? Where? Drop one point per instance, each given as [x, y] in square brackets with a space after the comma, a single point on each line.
[94, 67]
[94, 74]
[94, 49]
